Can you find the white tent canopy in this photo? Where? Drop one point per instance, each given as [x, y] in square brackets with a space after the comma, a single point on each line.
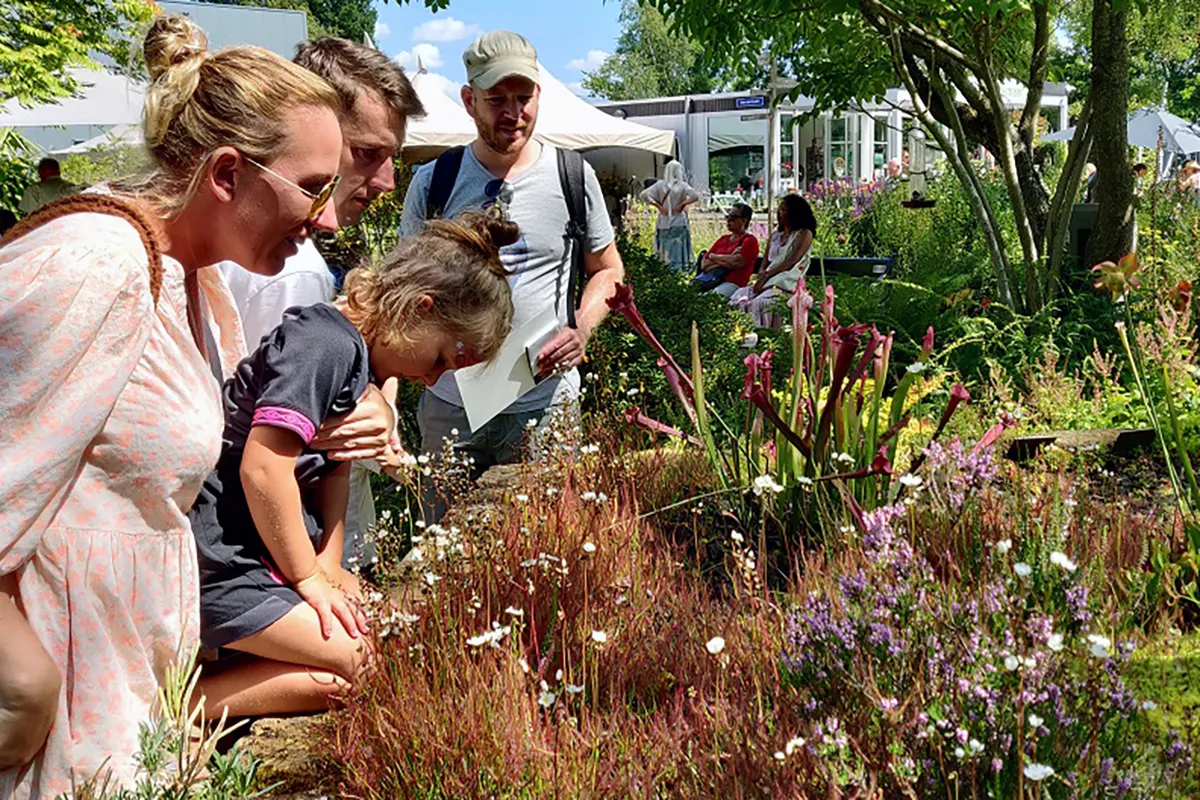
[564, 120]
[1179, 135]
[445, 124]
[105, 98]
[118, 135]
[568, 121]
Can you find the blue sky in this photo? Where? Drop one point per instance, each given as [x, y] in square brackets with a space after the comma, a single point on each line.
[570, 35]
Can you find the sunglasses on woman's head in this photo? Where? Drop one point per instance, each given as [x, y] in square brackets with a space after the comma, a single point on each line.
[320, 199]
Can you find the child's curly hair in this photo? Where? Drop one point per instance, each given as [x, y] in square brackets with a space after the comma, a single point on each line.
[454, 262]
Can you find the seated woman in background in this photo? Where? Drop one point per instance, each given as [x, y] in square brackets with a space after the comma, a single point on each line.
[786, 262]
[729, 263]
[672, 234]
[269, 522]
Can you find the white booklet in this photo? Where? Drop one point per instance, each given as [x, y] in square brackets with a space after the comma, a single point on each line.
[488, 389]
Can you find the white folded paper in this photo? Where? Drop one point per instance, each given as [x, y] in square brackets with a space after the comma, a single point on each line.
[488, 389]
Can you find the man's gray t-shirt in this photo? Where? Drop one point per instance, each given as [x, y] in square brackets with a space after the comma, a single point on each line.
[539, 262]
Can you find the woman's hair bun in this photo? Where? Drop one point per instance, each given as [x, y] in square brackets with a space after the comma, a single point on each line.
[172, 40]
[500, 231]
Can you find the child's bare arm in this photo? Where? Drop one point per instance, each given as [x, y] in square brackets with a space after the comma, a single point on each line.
[269, 478]
[268, 475]
[332, 495]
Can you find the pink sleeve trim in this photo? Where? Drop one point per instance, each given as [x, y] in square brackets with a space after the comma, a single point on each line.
[285, 418]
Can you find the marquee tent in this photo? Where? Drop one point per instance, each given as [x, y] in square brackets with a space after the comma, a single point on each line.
[568, 121]
[445, 124]
[564, 120]
[105, 99]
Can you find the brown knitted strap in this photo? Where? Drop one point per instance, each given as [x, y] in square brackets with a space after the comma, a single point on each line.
[98, 204]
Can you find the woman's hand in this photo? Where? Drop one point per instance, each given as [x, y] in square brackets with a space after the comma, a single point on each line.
[367, 431]
[761, 283]
[329, 600]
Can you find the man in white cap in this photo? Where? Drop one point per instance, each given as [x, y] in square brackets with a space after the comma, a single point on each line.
[535, 185]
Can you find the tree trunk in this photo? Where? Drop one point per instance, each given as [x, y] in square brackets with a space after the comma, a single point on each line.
[1113, 235]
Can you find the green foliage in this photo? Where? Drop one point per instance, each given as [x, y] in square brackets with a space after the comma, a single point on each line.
[177, 756]
[1164, 54]
[650, 60]
[18, 156]
[41, 40]
[102, 164]
[623, 365]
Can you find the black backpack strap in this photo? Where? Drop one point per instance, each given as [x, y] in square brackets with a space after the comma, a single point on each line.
[445, 174]
[570, 173]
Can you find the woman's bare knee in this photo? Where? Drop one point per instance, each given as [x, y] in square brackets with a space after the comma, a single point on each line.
[29, 695]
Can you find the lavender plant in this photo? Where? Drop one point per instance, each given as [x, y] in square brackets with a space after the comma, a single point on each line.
[999, 684]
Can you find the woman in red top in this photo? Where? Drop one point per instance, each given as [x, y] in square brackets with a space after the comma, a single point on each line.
[733, 254]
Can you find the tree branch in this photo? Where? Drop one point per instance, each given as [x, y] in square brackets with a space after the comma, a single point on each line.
[903, 25]
[1037, 72]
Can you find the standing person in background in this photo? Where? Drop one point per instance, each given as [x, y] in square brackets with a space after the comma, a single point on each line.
[49, 187]
[729, 263]
[672, 233]
[110, 411]
[508, 171]
[377, 101]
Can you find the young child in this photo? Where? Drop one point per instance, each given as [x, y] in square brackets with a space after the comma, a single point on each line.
[269, 520]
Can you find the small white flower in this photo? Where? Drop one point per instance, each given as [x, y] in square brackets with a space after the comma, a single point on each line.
[431, 579]
[589, 548]
[793, 744]
[1055, 642]
[546, 698]
[975, 746]
[454, 431]
[599, 637]
[916, 368]
[779, 756]
[522, 498]
[533, 423]
[804, 480]
[1035, 721]
[737, 537]
[1060, 560]
[1011, 663]
[587, 497]
[1101, 646]
[514, 611]
[910, 480]
[1022, 569]
[765, 483]
[602, 498]
[1038, 772]
[1149, 705]
[558, 675]
[573, 689]
[523, 664]
[715, 645]
[422, 459]
[1003, 546]
[959, 752]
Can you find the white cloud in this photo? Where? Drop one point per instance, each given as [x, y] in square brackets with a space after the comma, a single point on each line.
[448, 29]
[591, 61]
[382, 30]
[577, 88]
[429, 55]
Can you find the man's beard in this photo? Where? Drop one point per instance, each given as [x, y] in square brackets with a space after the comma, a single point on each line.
[499, 143]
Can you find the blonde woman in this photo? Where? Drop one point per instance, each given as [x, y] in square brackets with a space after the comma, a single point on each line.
[114, 332]
[672, 233]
